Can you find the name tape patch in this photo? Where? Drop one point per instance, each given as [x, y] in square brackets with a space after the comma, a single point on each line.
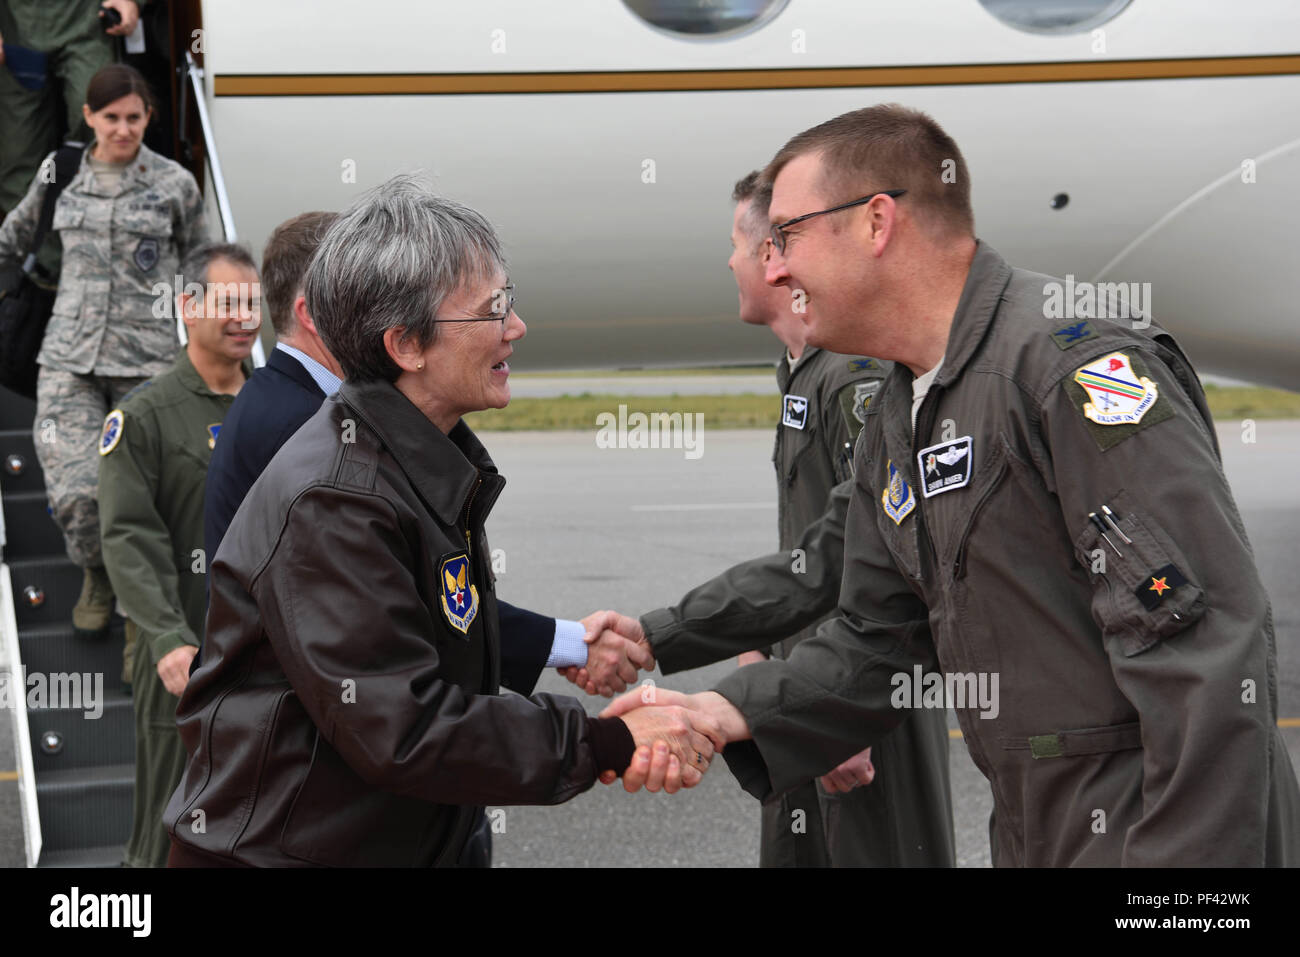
[946, 466]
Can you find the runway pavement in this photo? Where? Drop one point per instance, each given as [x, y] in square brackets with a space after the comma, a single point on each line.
[582, 528]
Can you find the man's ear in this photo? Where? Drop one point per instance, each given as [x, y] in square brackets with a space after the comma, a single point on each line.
[302, 317]
[403, 349]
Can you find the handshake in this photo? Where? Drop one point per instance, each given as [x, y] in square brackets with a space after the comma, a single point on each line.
[676, 734]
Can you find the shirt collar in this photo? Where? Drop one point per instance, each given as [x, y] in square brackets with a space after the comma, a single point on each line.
[189, 377]
[329, 383]
[444, 468]
[985, 283]
[140, 171]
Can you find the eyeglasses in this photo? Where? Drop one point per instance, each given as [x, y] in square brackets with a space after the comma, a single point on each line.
[778, 231]
[499, 315]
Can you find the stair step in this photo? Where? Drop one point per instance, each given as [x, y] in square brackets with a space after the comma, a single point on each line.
[80, 741]
[59, 583]
[16, 411]
[108, 856]
[55, 649]
[23, 473]
[30, 530]
[85, 807]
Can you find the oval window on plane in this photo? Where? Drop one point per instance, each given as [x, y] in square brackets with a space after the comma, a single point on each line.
[1054, 16]
[706, 19]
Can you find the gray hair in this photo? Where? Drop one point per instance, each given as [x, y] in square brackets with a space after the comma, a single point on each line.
[391, 259]
[199, 261]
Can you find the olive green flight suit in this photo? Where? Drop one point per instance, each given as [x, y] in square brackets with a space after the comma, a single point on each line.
[1134, 718]
[152, 470]
[904, 818]
[72, 36]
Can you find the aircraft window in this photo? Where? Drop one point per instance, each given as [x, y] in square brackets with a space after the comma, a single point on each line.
[711, 19]
[1054, 16]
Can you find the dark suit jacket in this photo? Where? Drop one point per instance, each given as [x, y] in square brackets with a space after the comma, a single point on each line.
[276, 400]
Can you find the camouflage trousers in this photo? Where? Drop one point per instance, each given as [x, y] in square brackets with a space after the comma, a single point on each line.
[70, 410]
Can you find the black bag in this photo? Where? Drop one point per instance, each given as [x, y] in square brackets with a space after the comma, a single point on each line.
[27, 292]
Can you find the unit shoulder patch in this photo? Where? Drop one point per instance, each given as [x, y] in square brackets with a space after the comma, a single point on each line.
[114, 423]
[1117, 396]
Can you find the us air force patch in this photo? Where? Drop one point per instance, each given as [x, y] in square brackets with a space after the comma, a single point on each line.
[146, 254]
[945, 466]
[114, 422]
[795, 412]
[213, 429]
[897, 499]
[1117, 396]
[459, 597]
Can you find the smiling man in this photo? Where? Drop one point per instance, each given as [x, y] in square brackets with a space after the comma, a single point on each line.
[1012, 520]
[154, 456]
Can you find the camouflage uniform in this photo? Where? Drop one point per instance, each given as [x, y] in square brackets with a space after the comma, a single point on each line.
[104, 336]
[153, 462]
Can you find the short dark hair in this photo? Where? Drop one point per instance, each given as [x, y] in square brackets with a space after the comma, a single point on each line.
[753, 189]
[284, 264]
[114, 82]
[199, 261]
[889, 146]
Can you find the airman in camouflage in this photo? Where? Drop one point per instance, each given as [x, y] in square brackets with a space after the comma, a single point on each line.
[124, 231]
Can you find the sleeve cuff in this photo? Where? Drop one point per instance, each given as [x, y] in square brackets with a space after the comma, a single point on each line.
[162, 645]
[612, 744]
[569, 646]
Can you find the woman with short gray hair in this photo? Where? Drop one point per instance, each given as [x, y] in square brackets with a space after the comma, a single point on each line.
[347, 708]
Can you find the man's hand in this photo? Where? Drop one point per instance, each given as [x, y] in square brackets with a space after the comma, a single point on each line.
[174, 667]
[709, 712]
[618, 647]
[130, 11]
[2, 49]
[857, 771]
[681, 745]
[750, 658]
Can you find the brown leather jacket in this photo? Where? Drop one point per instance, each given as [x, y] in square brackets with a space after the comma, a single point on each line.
[346, 712]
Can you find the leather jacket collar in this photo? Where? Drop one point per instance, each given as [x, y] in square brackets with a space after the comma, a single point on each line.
[446, 469]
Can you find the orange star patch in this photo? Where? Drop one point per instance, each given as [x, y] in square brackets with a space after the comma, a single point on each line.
[1158, 585]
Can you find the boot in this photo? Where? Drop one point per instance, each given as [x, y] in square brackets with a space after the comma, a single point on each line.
[94, 609]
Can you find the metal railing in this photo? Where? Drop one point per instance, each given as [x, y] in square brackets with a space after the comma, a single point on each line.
[192, 83]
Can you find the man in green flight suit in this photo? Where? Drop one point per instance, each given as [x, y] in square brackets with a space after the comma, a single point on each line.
[847, 817]
[154, 458]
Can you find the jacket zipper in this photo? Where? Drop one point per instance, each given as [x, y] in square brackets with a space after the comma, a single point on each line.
[469, 550]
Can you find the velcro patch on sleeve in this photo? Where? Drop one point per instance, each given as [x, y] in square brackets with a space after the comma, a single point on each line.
[1117, 397]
